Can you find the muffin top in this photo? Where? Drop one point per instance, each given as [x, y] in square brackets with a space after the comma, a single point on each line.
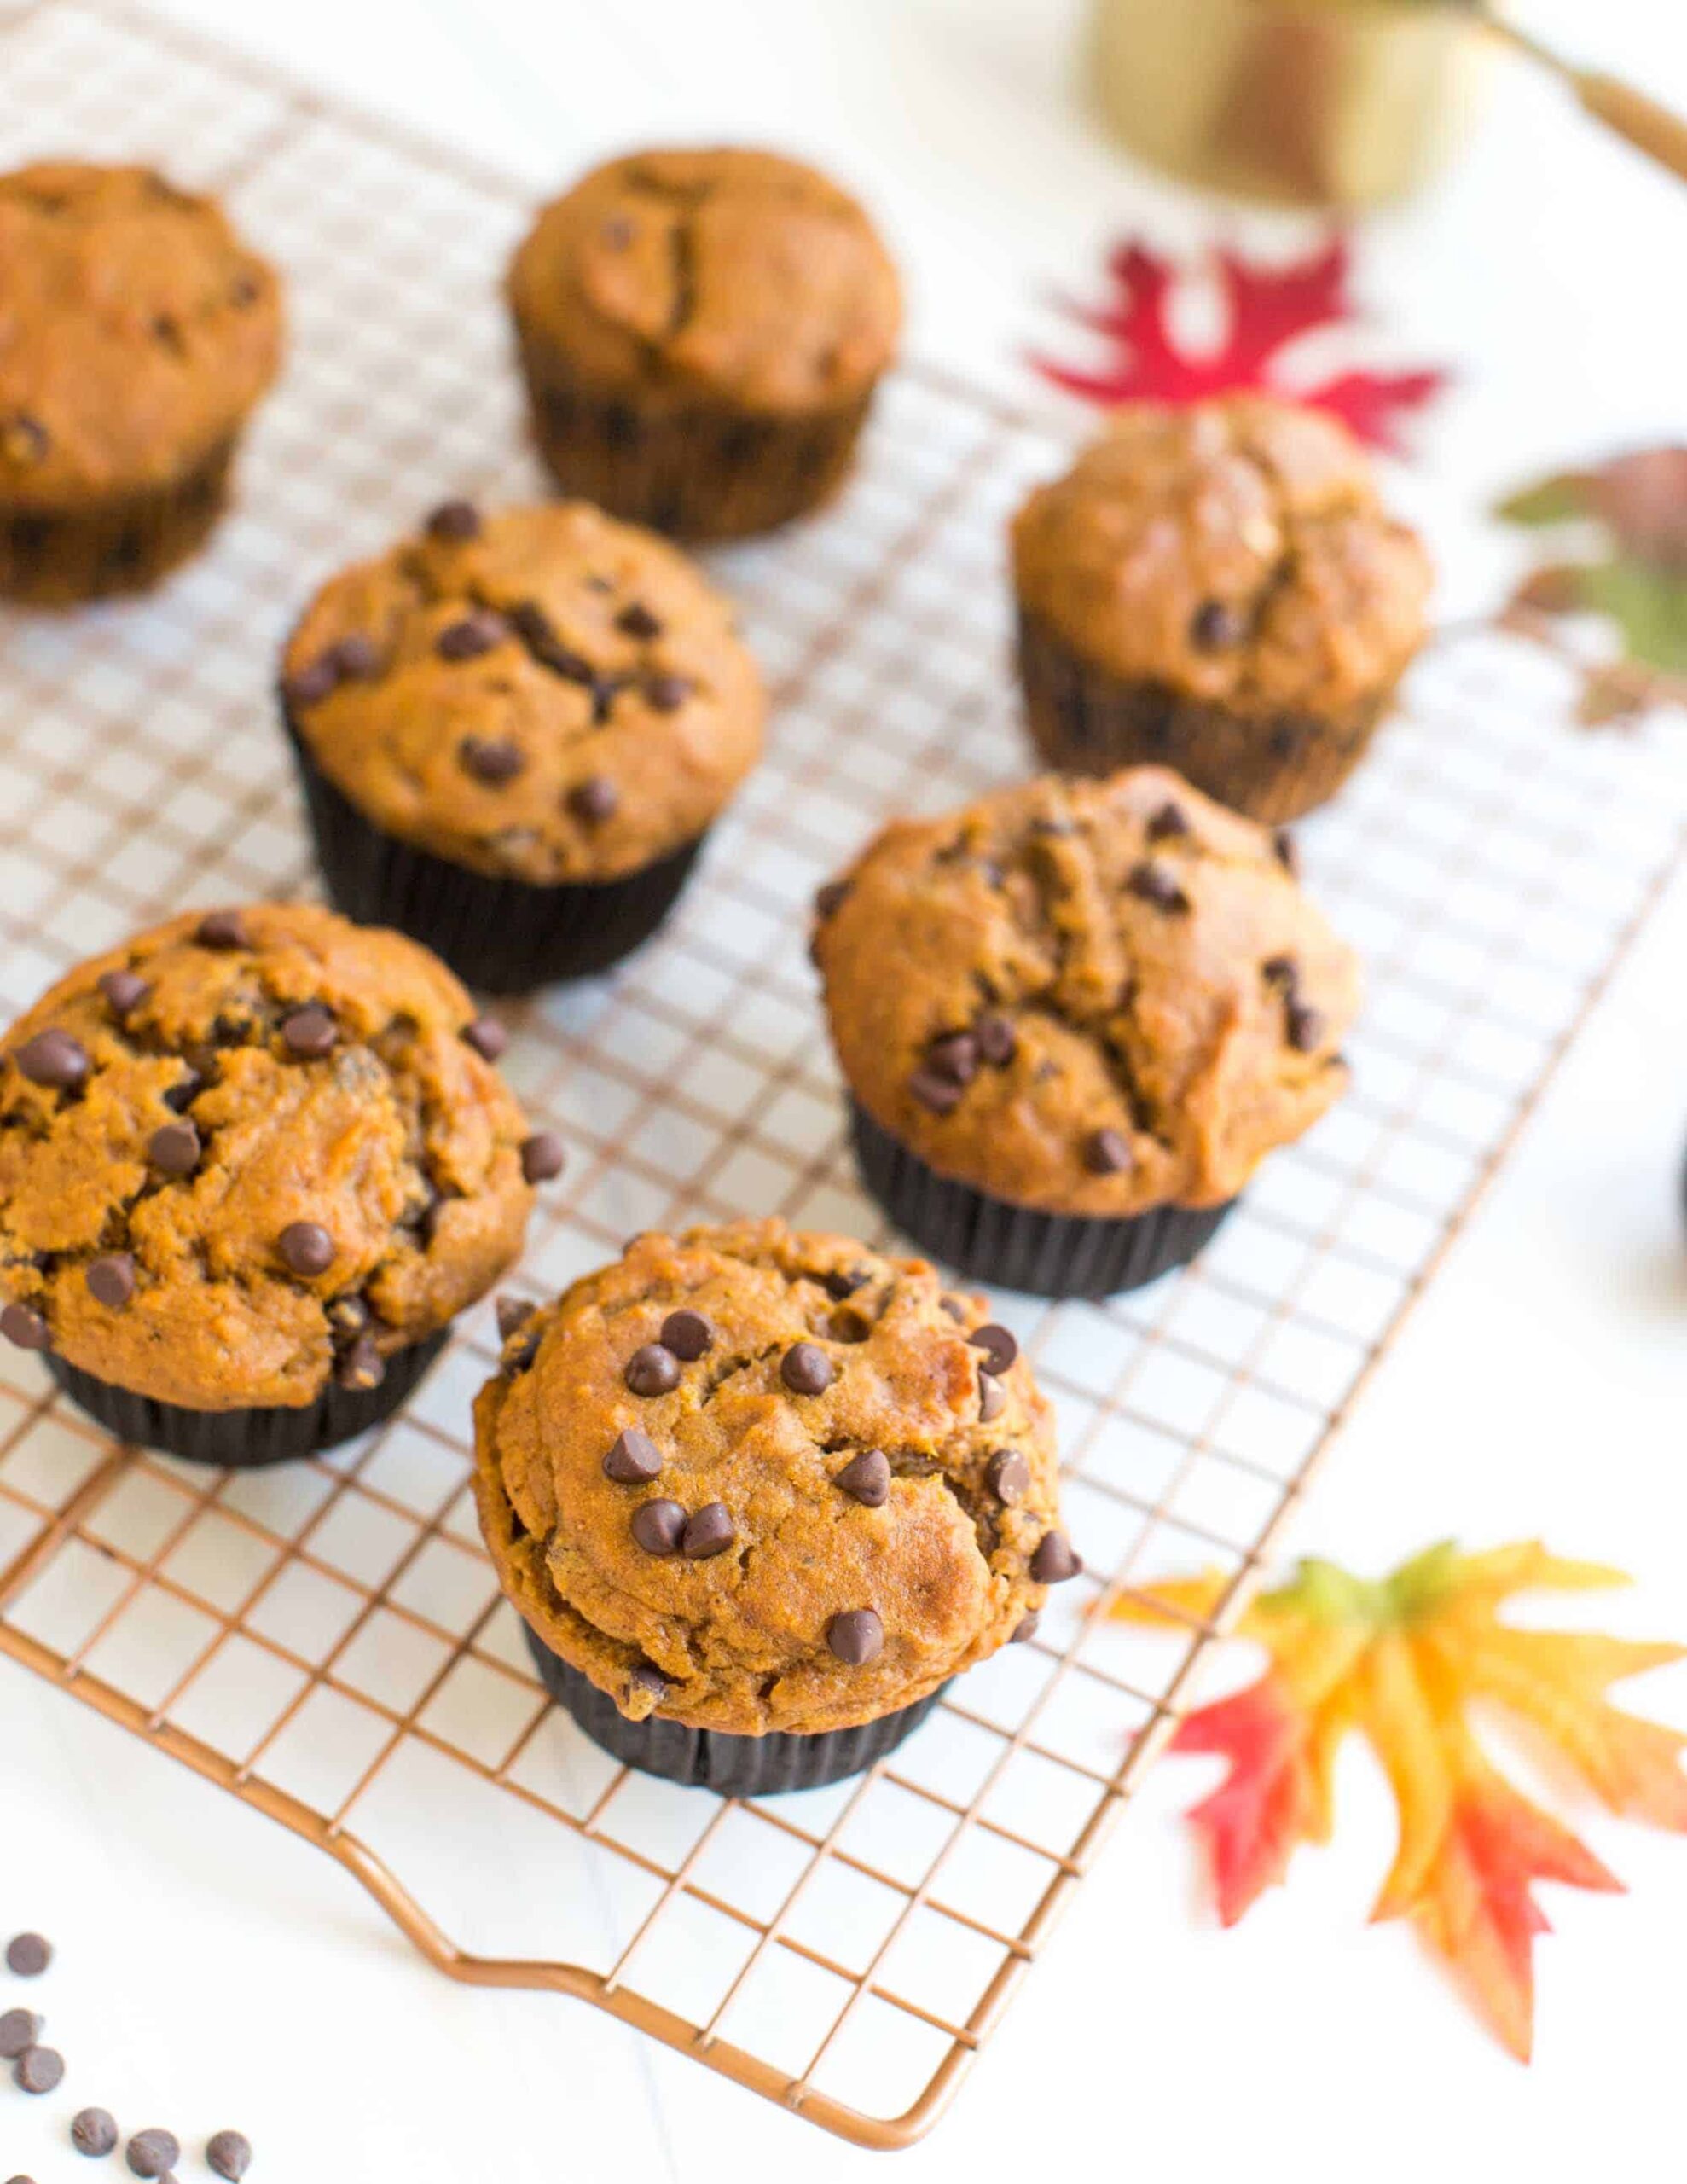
[250, 1151]
[544, 693]
[756, 1480]
[136, 331]
[1235, 551]
[717, 276]
[1108, 995]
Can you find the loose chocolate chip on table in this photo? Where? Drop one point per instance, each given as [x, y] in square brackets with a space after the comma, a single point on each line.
[455, 521]
[806, 1370]
[634, 1458]
[1153, 884]
[688, 1334]
[992, 1396]
[594, 800]
[955, 1055]
[513, 1312]
[55, 1059]
[942, 1095]
[709, 1530]
[666, 693]
[1009, 1474]
[111, 1279]
[543, 1157]
[28, 1956]
[636, 620]
[856, 1637]
[866, 1478]
[492, 760]
[998, 1041]
[221, 929]
[659, 1526]
[1107, 1152]
[21, 2179]
[1279, 971]
[652, 1370]
[310, 1033]
[309, 685]
[1283, 842]
[93, 2131]
[229, 2154]
[1025, 1628]
[355, 658]
[174, 1149]
[38, 2069]
[19, 2029]
[306, 1247]
[998, 1346]
[151, 2153]
[1055, 1561]
[1167, 824]
[124, 991]
[25, 1329]
[363, 1366]
[487, 1036]
[1304, 1026]
[830, 898]
[473, 635]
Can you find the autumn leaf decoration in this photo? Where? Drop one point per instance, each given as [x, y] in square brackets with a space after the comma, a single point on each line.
[1401, 1662]
[1266, 312]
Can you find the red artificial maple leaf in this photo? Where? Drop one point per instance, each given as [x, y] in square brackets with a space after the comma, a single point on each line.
[1267, 310]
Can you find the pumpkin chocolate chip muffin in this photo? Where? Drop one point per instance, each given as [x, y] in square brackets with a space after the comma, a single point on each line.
[1217, 588]
[1111, 999]
[758, 1495]
[514, 731]
[136, 334]
[251, 1164]
[702, 333]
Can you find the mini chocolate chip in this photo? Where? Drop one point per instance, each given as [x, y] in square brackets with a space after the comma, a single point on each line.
[650, 1681]
[362, 1367]
[228, 2155]
[543, 1157]
[709, 1531]
[306, 1248]
[309, 685]
[636, 620]
[856, 1637]
[1054, 1561]
[992, 1396]
[492, 760]
[866, 1478]
[1215, 622]
[475, 634]
[1283, 845]
[997, 1041]
[688, 1334]
[513, 1312]
[594, 800]
[174, 1149]
[652, 1370]
[455, 521]
[221, 929]
[1153, 883]
[355, 658]
[659, 1526]
[111, 1280]
[93, 2131]
[806, 1370]
[55, 1059]
[24, 439]
[19, 2029]
[151, 2153]
[665, 694]
[1167, 824]
[1024, 1628]
[955, 1056]
[25, 1329]
[634, 1458]
[942, 1095]
[829, 899]
[38, 2069]
[1304, 1026]
[125, 991]
[487, 1036]
[998, 1346]
[1280, 971]
[310, 1033]
[1009, 1475]
[1108, 1152]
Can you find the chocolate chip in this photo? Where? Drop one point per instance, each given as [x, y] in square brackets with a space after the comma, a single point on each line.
[650, 1681]
[616, 232]
[688, 1334]
[1054, 1561]
[521, 1357]
[942, 1095]
[866, 1478]
[829, 899]
[1152, 883]
[229, 2154]
[174, 1149]
[513, 1312]
[355, 659]
[1108, 1152]
[659, 1526]
[998, 1346]
[1167, 824]
[348, 1316]
[992, 1396]
[25, 1329]
[362, 1367]
[594, 800]
[19, 2029]
[221, 929]
[955, 1307]
[317, 679]
[1215, 622]
[93, 2131]
[1283, 845]
[997, 1041]
[55, 1059]
[180, 1096]
[310, 1033]
[634, 1458]
[838, 1286]
[487, 1036]
[543, 1157]
[652, 1370]
[456, 521]
[856, 1637]
[954, 1056]
[1025, 1629]
[492, 760]
[24, 439]
[306, 1248]
[665, 694]
[475, 634]
[111, 1280]
[1303, 1025]
[636, 620]
[151, 2153]
[1009, 1475]
[1280, 971]
[709, 1531]
[806, 1370]
[38, 2069]
[125, 991]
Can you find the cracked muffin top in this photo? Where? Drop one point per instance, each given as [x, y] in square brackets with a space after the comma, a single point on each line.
[735, 277]
[1110, 995]
[250, 1151]
[136, 331]
[1236, 551]
[755, 1480]
[544, 693]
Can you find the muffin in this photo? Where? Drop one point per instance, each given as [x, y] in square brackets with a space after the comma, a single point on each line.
[1220, 589]
[1111, 999]
[250, 1166]
[514, 732]
[758, 1495]
[137, 334]
[701, 332]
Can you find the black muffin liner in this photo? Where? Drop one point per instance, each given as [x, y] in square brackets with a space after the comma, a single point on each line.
[710, 1759]
[1016, 1246]
[504, 935]
[60, 556]
[1272, 768]
[246, 1440]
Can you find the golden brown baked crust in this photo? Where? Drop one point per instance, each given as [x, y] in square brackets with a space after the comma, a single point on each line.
[136, 331]
[1166, 1003]
[544, 693]
[726, 277]
[204, 1119]
[1236, 551]
[743, 1639]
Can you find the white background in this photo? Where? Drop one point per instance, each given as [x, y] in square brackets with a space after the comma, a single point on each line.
[222, 1973]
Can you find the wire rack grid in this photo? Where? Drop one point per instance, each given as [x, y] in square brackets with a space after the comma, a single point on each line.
[326, 1642]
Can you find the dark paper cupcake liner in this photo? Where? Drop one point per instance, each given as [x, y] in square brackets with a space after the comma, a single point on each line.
[1085, 721]
[709, 1759]
[60, 556]
[697, 473]
[1016, 1246]
[504, 936]
[244, 1440]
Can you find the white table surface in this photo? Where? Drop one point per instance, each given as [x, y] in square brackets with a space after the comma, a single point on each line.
[213, 1970]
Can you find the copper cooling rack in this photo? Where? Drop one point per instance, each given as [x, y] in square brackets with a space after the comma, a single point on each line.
[325, 1641]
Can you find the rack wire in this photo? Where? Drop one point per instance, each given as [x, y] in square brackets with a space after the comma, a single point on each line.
[326, 1642]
